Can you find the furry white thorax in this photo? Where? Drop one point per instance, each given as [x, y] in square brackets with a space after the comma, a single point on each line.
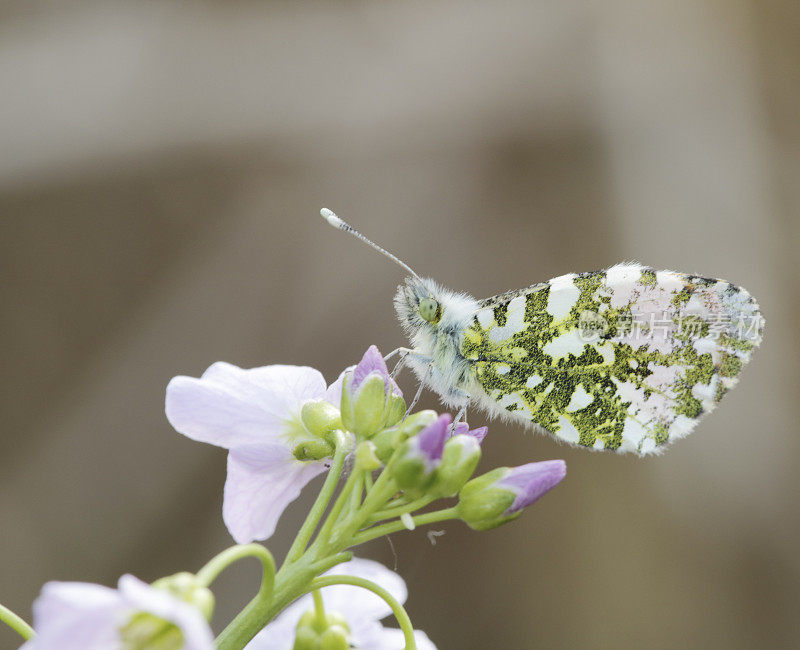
[439, 343]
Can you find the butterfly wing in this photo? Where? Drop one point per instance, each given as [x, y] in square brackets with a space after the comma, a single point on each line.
[626, 359]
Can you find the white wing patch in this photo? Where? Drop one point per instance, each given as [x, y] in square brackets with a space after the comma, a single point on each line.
[626, 359]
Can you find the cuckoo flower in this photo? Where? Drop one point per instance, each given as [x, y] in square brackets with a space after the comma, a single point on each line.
[271, 419]
[84, 616]
[420, 456]
[462, 452]
[353, 610]
[500, 495]
[462, 428]
[371, 400]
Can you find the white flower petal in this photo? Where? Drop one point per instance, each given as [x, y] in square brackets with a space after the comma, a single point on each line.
[361, 608]
[77, 616]
[334, 392]
[262, 480]
[142, 597]
[356, 602]
[393, 639]
[229, 406]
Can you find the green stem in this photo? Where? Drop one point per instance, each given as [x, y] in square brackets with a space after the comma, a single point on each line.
[219, 563]
[321, 504]
[358, 491]
[327, 528]
[395, 510]
[319, 607]
[397, 609]
[291, 581]
[16, 623]
[383, 488]
[395, 526]
[248, 622]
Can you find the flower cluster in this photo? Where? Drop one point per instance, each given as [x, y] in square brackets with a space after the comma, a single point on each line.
[283, 426]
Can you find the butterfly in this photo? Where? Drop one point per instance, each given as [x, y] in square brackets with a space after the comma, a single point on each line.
[627, 359]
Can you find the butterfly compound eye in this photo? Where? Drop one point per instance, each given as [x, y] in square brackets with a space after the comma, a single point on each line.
[430, 310]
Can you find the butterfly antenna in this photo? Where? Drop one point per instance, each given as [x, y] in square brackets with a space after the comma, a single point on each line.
[337, 223]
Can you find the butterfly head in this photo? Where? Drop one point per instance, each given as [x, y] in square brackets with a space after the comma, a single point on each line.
[423, 306]
[418, 304]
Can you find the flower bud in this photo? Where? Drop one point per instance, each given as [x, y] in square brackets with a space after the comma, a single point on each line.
[328, 633]
[500, 495]
[313, 450]
[415, 423]
[371, 400]
[365, 456]
[463, 428]
[321, 418]
[184, 585]
[386, 442]
[418, 458]
[147, 631]
[334, 638]
[459, 460]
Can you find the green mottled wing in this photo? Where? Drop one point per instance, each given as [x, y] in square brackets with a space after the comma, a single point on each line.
[626, 359]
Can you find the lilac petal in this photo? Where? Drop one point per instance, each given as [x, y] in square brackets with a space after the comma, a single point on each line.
[432, 438]
[463, 428]
[140, 596]
[479, 434]
[230, 406]
[77, 616]
[373, 362]
[262, 480]
[532, 481]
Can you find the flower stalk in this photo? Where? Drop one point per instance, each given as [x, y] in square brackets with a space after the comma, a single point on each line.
[16, 623]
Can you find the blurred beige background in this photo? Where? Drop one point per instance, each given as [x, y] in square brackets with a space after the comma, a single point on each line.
[161, 170]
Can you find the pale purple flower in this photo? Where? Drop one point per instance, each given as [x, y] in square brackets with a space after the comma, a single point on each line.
[500, 495]
[428, 445]
[255, 414]
[85, 616]
[530, 482]
[372, 364]
[361, 609]
[463, 428]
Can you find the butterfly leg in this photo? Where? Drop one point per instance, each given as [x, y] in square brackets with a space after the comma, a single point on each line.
[404, 351]
[404, 354]
[462, 412]
[419, 389]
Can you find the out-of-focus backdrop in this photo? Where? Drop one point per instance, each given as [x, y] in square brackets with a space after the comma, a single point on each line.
[161, 170]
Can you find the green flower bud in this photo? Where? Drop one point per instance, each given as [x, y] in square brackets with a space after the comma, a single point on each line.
[184, 585]
[313, 450]
[321, 419]
[394, 411]
[327, 633]
[371, 401]
[417, 460]
[416, 422]
[305, 638]
[334, 638]
[145, 631]
[365, 456]
[385, 443]
[481, 504]
[362, 412]
[500, 495]
[459, 460]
